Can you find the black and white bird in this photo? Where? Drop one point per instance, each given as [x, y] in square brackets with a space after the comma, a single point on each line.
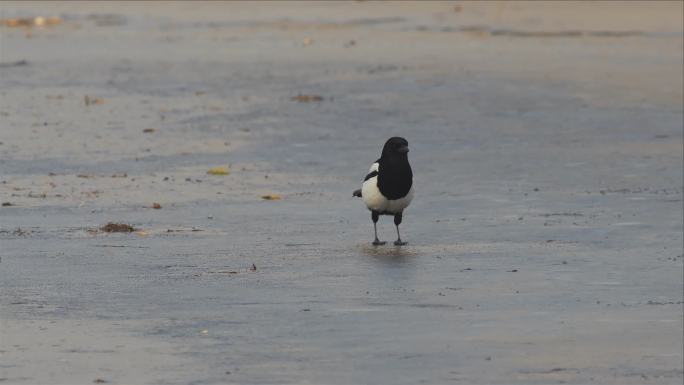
[388, 187]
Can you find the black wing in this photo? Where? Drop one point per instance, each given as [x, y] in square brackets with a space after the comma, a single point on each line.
[370, 175]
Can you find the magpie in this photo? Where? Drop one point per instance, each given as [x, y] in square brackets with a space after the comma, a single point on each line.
[388, 187]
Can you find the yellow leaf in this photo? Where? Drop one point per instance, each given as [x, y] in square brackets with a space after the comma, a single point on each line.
[218, 171]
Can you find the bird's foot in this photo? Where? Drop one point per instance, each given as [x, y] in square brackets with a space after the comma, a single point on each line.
[378, 242]
[399, 242]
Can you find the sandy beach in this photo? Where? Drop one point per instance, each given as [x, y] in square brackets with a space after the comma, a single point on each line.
[545, 237]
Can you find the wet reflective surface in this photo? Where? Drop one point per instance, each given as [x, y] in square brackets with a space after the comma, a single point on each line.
[544, 239]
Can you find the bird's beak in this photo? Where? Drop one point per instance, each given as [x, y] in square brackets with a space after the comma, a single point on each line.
[403, 149]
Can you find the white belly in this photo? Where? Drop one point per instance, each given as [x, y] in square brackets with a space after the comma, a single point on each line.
[374, 200]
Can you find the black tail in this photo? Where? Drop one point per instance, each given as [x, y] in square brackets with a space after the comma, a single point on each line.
[357, 193]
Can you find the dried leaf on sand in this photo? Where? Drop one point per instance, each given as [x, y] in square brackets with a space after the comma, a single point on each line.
[90, 100]
[307, 98]
[117, 228]
[30, 22]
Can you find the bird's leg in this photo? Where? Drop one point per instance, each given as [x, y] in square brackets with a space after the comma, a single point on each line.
[375, 215]
[397, 221]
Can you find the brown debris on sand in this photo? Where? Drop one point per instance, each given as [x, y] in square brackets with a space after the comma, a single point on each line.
[271, 197]
[18, 63]
[307, 98]
[89, 100]
[117, 228]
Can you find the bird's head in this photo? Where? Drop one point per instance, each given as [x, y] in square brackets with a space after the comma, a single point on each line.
[396, 146]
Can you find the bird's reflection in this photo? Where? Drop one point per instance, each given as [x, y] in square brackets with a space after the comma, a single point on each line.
[392, 255]
[390, 271]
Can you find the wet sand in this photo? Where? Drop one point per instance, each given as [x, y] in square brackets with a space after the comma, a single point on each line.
[545, 239]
